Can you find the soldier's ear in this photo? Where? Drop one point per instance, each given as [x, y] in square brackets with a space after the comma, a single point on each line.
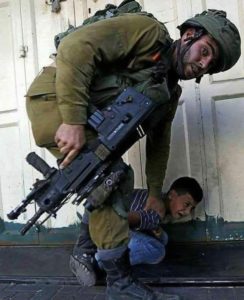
[188, 34]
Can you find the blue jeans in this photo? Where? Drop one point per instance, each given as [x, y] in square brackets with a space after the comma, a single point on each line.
[145, 249]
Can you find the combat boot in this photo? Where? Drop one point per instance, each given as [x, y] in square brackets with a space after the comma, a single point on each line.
[82, 262]
[122, 286]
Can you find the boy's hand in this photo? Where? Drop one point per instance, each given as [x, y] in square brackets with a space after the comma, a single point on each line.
[155, 204]
[70, 139]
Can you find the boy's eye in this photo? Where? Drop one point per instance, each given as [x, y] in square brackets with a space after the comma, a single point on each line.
[188, 204]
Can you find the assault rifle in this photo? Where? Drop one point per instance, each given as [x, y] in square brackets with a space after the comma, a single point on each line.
[118, 127]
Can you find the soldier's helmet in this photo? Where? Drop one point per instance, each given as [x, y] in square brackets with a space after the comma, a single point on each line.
[224, 33]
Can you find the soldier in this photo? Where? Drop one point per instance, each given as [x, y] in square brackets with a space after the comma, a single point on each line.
[94, 64]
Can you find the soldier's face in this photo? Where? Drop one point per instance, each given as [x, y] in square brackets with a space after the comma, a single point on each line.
[180, 205]
[200, 57]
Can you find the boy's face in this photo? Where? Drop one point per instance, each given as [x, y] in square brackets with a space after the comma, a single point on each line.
[180, 205]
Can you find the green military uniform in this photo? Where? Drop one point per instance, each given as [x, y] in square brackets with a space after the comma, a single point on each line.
[94, 64]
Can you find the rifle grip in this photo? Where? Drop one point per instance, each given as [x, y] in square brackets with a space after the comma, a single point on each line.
[38, 163]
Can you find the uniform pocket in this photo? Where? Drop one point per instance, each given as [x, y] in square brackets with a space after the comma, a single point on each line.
[42, 108]
[106, 88]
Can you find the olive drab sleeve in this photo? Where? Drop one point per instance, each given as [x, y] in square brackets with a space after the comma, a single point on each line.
[158, 146]
[124, 40]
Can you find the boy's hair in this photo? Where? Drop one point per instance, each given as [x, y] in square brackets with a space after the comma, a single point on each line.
[184, 185]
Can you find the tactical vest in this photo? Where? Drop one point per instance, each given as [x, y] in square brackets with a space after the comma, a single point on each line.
[110, 11]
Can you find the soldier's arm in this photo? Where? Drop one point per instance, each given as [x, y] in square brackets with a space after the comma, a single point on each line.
[102, 44]
[157, 154]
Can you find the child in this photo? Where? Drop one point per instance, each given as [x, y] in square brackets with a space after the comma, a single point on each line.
[147, 237]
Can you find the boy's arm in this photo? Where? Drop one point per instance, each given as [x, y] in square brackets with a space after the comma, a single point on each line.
[144, 220]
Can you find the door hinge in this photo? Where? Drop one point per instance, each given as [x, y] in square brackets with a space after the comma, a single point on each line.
[56, 6]
[23, 51]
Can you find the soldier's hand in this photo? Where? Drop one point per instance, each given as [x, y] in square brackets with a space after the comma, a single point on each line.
[155, 204]
[70, 139]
